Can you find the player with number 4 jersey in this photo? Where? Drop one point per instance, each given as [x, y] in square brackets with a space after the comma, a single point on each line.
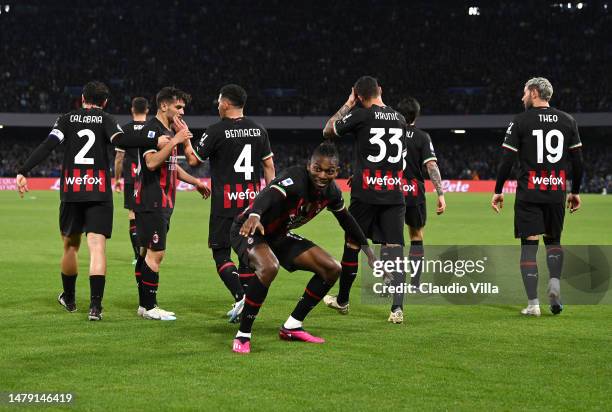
[239, 151]
[377, 189]
[546, 141]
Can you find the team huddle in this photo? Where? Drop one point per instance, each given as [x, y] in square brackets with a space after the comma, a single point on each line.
[254, 210]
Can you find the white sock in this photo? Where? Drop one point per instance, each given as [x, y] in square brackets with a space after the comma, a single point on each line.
[533, 302]
[292, 323]
[243, 335]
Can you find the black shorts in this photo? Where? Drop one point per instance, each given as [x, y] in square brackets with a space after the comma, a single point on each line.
[416, 215]
[219, 228]
[128, 196]
[532, 219]
[86, 217]
[383, 224]
[285, 247]
[152, 229]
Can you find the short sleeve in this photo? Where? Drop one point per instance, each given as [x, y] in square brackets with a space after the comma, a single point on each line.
[266, 150]
[350, 122]
[511, 140]
[574, 141]
[111, 127]
[336, 201]
[427, 150]
[59, 129]
[205, 145]
[149, 133]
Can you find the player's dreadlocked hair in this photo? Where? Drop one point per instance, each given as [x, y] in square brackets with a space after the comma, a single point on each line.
[169, 94]
[326, 149]
[409, 108]
[140, 105]
[366, 87]
[95, 92]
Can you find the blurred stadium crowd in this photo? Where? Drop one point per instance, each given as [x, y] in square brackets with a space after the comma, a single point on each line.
[479, 162]
[302, 60]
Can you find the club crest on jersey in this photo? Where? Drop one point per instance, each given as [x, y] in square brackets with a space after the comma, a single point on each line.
[151, 134]
[287, 182]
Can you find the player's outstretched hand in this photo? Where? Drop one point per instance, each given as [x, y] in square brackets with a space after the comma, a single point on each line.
[497, 202]
[370, 254]
[573, 202]
[441, 205]
[162, 141]
[22, 185]
[251, 225]
[203, 189]
[179, 124]
[117, 186]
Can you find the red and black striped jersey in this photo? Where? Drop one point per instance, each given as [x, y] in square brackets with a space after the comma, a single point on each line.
[419, 150]
[379, 149]
[542, 137]
[155, 190]
[236, 149]
[86, 135]
[302, 201]
[130, 161]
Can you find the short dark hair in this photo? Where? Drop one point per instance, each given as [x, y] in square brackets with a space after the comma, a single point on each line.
[326, 149]
[366, 87]
[171, 93]
[95, 92]
[235, 94]
[140, 105]
[409, 108]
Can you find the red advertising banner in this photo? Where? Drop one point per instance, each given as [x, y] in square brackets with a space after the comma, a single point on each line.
[449, 186]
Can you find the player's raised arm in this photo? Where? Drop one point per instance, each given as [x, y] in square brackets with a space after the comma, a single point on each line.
[154, 159]
[329, 131]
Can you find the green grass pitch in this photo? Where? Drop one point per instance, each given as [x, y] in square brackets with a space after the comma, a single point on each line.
[442, 358]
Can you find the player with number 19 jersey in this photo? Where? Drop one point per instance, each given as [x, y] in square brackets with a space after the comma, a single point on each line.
[236, 147]
[543, 137]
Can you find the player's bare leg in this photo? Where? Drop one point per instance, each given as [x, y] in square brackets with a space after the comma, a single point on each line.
[554, 261]
[149, 284]
[326, 271]
[350, 267]
[529, 272]
[266, 266]
[97, 273]
[69, 267]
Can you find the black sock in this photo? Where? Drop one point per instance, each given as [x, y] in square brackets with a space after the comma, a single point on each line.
[69, 282]
[554, 257]
[138, 276]
[255, 297]
[416, 255]
[529, 267]
[246, 274]
[314, 292]
[229, 275]
[388, 253]
[350, 267]
[134, 238]
[96, 285]
[149, 284]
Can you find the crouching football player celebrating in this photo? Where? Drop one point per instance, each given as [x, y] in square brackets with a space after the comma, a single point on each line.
[261, 236]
